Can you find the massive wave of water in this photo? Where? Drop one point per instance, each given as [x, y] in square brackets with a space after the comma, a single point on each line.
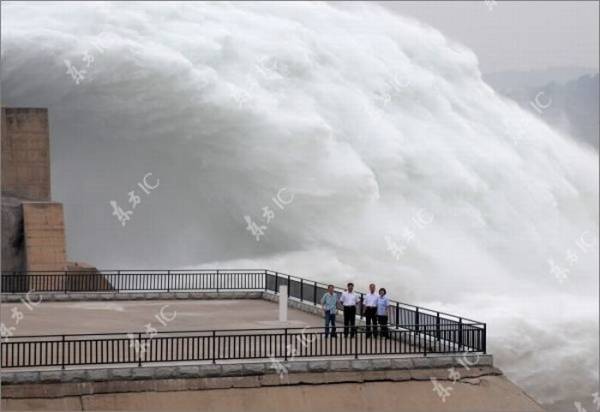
[393, 161]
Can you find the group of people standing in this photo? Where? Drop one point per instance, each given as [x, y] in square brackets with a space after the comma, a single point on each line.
[375, 310]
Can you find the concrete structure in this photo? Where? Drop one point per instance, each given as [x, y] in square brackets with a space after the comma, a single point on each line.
[259, 387]
[33, 230]
[25, 154]
[371, 383]
[44, 229]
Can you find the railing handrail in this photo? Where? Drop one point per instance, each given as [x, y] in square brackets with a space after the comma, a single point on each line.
[164, 332]
[102, 271]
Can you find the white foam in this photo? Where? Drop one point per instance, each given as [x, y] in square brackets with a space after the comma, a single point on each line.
[366, 116]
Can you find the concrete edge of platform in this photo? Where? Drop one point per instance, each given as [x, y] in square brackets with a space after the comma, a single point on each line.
[104, 296]
[465, 361]
[56, 384]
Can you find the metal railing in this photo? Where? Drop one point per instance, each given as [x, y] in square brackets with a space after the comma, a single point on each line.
[427, 323]
[132, 280]
[215, 345]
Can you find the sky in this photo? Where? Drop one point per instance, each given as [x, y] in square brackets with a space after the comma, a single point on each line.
[515, 35]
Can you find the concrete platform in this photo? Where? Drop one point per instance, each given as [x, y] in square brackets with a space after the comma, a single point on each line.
[132, 316]
[117, 318]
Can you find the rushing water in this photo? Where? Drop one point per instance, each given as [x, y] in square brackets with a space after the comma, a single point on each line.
[404, 166]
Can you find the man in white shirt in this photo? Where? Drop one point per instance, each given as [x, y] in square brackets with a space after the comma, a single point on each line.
[370, 302]
[349, 299]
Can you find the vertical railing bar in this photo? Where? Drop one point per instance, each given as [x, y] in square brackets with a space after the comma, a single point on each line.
[285, 343]
[63, 352]
[214, 344]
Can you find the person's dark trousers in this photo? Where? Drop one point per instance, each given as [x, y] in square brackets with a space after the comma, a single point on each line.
[371, 318]
[330, 319]
[349, 321]
[383, 320]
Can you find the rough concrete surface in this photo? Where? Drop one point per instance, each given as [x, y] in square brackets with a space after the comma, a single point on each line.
[132, 316]
[488, 393]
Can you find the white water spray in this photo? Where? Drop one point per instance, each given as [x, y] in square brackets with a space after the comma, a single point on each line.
[369, 119]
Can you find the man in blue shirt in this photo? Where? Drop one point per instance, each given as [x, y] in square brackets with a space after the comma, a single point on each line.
[329, 303]
[370, 304]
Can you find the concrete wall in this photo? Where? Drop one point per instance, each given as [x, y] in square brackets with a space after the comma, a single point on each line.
[348, 393]
[481, 364]
[13, 236]
[337, 385]
[44, 236]
[25, 153]
[26, 177]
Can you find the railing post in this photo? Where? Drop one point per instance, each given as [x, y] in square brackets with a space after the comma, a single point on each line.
[460, 334]
[276, 283]
[285, 344]
[437, 325]
[315, 294]
[214, 347]
[168, 280]
[65, 283]
[301, 289]
[397, 315]
[118, 281]
[424, 335]
[356, 338]
[484, 338]
[217, 282]
[417, 319]
[140, 350]
[289, 286]
[265, 277]
[63, 352]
